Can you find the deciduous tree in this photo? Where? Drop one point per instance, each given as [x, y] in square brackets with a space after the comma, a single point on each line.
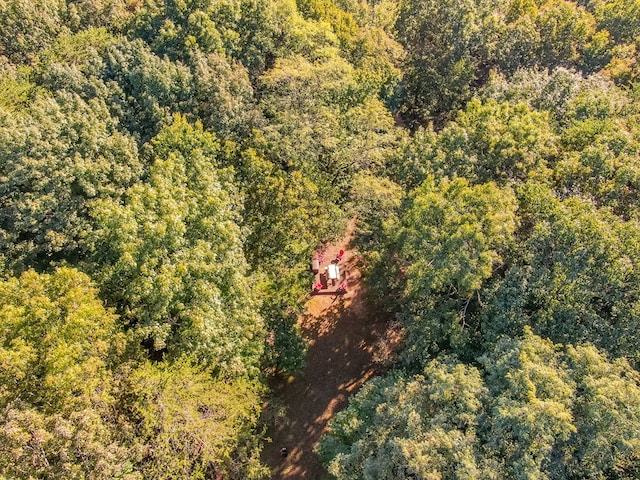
[452, 238]
[58, 396]
[170, 258]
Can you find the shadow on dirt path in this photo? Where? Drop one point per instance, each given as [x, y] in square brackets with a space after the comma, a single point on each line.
[342, 340]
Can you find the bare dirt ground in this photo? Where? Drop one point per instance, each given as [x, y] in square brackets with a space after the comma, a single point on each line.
[344, 343]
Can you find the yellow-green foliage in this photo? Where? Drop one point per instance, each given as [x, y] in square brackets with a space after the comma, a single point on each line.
[193, 426]
[58, 345]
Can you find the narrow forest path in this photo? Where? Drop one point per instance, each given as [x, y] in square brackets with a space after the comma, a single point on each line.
[344, 340]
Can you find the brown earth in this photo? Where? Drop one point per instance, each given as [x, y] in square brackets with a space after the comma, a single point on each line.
[345, 345]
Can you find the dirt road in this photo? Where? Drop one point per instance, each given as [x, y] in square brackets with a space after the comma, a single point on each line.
[342, 341]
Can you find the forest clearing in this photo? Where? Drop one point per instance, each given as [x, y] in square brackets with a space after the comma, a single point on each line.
[345, 343]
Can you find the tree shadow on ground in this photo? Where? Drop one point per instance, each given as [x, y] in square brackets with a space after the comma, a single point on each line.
[342, 337]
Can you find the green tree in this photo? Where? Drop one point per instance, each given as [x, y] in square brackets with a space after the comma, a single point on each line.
[606, 413]
[72, 406]
[223, 97]
[112, 14]
[601, 150]
[56, 159]
[453, 47]
[520, 39]
[175, 28]
[451, 239]
[550, 34]
[342, 22]
[17, 85]
[500, 142]
[142, 90]
[170, 258]
[573, 279]
[531, 404]
[286, 217]
[410, 162]
[445, 42]
[561, 412]
[590, 142]
[324, 122]
[145, 90]
[58, 395]
[189, 425]
[505, 142]
[375, 203]
[565, 31]
[149, 89]
[29, 26]
[246, 30]
[402, 427]
[555, 91]
[620, 18]
[530, 409]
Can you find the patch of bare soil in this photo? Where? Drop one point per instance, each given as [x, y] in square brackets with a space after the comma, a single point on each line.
[345, 344]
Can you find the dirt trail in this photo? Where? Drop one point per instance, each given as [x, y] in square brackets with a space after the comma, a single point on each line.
[342, 342]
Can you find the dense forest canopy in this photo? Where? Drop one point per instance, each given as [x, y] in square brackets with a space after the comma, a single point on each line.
[168, 166]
